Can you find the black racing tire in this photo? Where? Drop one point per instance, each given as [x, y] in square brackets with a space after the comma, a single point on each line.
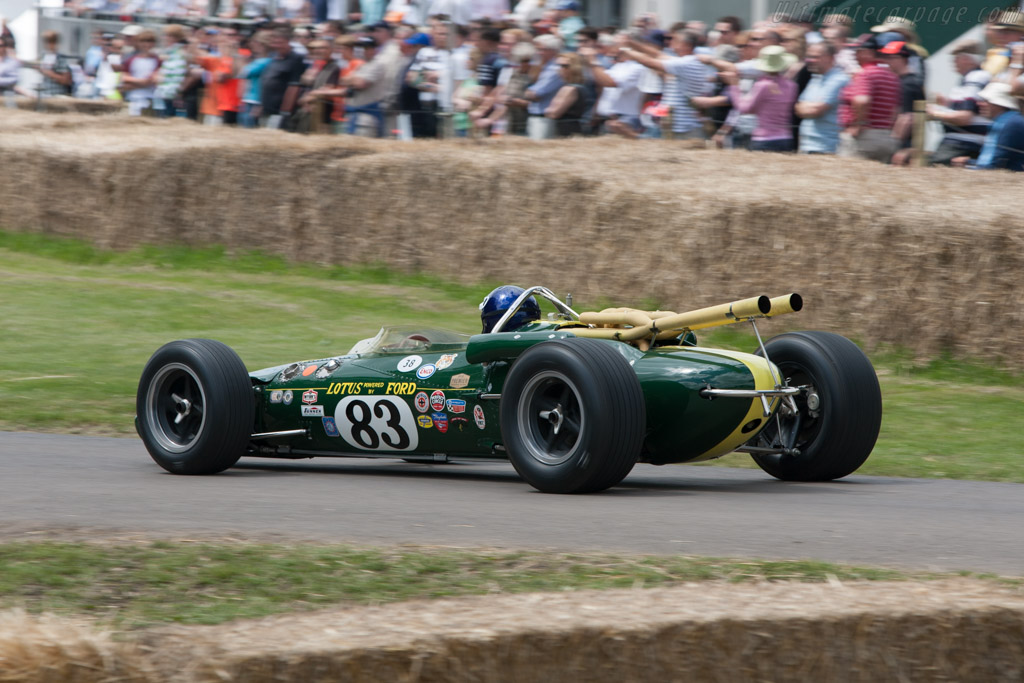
[587, 390]
[195, 407]
[839, 436]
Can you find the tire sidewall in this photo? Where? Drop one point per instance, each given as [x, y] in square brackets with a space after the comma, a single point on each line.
[592, 464]
[843, 377]
[197, 358]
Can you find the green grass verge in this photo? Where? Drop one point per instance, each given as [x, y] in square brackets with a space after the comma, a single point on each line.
[143, 584]
[80, 323]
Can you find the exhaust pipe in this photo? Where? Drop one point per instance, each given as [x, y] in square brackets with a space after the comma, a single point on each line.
[629, 324]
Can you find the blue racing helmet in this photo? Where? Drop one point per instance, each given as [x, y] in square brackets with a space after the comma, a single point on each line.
[499, 300]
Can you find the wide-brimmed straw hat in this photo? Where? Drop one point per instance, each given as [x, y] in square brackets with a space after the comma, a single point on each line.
[1012, 19]
[773, 59]
[999, 95]
[900, 25]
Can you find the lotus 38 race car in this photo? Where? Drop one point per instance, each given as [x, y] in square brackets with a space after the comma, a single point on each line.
[574, 401]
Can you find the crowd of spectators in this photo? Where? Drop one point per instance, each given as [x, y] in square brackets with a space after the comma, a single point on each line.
[784, 85]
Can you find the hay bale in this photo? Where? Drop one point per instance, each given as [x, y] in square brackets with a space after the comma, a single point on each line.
[928, 259]
[942, 631]
[69, 105]
[49, 649]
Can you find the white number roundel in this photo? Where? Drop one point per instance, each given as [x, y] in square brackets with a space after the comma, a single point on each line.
[376, 423]
[409, 363]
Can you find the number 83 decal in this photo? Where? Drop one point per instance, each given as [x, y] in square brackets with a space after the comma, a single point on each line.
[376, 423]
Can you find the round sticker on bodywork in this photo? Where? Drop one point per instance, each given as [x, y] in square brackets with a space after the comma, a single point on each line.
[409, 363]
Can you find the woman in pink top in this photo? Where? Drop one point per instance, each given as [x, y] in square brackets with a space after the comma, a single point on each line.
[771, 99]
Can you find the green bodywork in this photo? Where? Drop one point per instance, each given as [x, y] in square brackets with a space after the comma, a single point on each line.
[372, 403]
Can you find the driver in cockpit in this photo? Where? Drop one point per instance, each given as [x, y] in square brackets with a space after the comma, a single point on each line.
[498, 302]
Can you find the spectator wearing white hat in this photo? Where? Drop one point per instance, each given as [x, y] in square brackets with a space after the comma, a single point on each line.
[959, 112]
[1004, 144]
[771, 99]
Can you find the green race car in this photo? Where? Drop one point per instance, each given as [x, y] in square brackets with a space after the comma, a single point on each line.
[574, 401]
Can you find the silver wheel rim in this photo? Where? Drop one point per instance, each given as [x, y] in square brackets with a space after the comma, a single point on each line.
[176, 407]
[550, 418]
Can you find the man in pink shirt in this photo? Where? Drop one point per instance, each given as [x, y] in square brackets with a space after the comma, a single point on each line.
[869, 105]
[771, 99]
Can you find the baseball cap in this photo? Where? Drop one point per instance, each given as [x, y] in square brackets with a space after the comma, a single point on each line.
[896, 47]
[421, 39]
[867, 41]
[568, 5]
[131, 30]
[887, 37]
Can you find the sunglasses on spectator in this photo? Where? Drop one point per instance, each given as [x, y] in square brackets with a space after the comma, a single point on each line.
[563, 66]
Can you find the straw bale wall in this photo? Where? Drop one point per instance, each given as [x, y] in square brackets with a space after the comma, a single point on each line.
[937, 631]
[929, 259]
[70, 105]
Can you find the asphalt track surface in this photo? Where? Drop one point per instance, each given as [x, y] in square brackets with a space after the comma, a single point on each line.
[92, 485]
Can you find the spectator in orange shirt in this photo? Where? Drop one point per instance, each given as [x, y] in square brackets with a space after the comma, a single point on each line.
[224, 83]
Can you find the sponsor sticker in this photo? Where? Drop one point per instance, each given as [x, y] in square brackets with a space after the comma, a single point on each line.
[440, 421]
[456, 405]
[396, 388]
[309, 396]
[409, 363]
[331, 427]
[437, 400]
[276, 396]
[460, 381]
[426, 371]
[424, 421]
[446, 361]
[459, 423]
[478, 416]
[287, 398]
[312, 411]
[422, 402]
[309, 370]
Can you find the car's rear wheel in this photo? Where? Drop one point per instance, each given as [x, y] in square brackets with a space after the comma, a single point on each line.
[838, 416]
[195, 407]
[572, 416]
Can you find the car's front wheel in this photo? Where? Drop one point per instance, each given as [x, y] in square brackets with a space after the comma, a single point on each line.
[195, 407]
[572, 416]
[837, 417]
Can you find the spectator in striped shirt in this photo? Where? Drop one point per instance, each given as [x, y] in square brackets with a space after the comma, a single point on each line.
[690, 78]
[869, 106]
[172, 72]
[958, 112]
